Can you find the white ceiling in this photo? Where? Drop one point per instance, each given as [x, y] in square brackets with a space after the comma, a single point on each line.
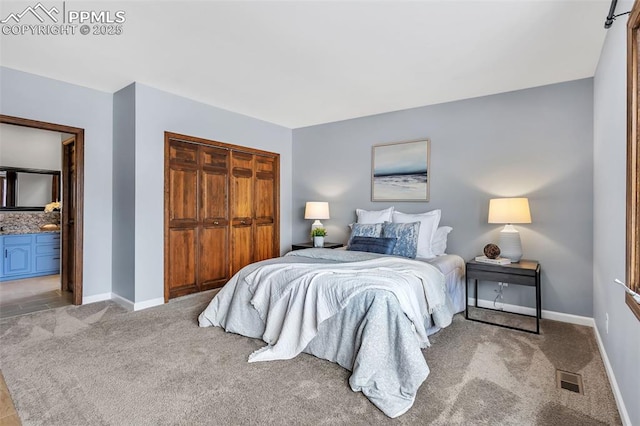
[301, 63]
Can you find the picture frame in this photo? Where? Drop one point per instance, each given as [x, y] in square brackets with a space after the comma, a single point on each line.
[400, 171]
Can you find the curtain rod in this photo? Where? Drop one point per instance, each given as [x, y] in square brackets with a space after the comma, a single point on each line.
[611, 17]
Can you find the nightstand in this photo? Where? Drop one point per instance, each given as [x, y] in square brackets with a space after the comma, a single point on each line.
[525, 273]
[309, 244]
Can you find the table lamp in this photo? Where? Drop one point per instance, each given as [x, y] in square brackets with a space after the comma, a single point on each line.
[509, 211]
[316, 210]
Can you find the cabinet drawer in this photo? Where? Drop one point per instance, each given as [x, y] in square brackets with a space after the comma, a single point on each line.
[47, 238]
[48, 249]
[47, 263]
[13, 240]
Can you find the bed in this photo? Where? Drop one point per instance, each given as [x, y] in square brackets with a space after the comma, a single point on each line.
[370, 313]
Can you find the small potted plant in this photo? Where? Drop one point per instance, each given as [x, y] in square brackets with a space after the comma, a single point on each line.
[318, 235]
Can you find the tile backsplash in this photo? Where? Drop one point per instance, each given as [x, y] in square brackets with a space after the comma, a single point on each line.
[27, 221]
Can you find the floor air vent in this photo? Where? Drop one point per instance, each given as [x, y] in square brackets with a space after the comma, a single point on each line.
[569, 381]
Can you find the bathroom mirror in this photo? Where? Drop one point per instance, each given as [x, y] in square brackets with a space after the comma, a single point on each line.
[28, 189]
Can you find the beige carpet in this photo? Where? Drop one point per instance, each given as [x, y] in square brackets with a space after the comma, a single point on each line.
[98, 364]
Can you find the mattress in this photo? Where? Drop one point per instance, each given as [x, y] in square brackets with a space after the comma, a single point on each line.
[453, 268]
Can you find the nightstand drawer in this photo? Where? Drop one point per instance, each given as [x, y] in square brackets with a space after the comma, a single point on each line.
[524, 267]
[501, 277]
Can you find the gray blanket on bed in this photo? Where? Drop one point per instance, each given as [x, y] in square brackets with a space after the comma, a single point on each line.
[360, 337]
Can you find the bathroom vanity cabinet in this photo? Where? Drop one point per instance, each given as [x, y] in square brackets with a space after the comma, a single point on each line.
[29, 255]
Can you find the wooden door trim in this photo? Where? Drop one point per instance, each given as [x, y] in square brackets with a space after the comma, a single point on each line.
[79, 208]
[633, 160]
[224, 145]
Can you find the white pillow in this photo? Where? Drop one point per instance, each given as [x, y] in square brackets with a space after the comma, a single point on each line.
[374, 216]
[439, 241]
[428, 224]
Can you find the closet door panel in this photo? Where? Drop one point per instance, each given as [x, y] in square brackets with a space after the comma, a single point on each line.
[182, 261]
[214, 218]
[213, 193]
[266, 243]
[183, 153]
[242, 185]
[214, 187]
[213, 259]
[264, 247]
[183, 184]
[265, 189]
[241, 253]
[242, 208]
[182, 217]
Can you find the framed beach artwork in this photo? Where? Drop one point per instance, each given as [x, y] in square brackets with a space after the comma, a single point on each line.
[400, 171]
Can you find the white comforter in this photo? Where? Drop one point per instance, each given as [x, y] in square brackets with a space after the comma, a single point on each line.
[364, 311]
[294, 299]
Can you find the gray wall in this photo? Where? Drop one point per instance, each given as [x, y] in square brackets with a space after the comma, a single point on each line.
[536, 143]
[622, 341]
[124, 203]
[30, 148]
[157, 112]
[38, 98]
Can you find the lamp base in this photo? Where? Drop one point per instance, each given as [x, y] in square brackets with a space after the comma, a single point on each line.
[316, 224]
[510, 244]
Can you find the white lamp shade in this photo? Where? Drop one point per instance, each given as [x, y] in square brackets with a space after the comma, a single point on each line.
[509, 210]
[316, 210]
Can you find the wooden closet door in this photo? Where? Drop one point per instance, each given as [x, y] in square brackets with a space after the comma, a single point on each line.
[242, 204]
[221, 211]
[266, 242]
[213, 267]
[181, 198]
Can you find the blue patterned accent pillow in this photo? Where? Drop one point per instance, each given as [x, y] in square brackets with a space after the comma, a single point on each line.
[365, 230]
[373, 245]
[407, 236]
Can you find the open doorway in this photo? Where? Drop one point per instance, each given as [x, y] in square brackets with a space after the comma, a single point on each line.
[71, 223]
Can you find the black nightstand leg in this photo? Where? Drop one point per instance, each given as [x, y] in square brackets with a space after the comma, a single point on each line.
[466, 296]
[538, 303]
[476, 295]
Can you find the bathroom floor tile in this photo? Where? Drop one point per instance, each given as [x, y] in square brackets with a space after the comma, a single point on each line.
[19, 297]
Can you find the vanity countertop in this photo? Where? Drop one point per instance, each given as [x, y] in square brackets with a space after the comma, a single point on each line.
[28, 231]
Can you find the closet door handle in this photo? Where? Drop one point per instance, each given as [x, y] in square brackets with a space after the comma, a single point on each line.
[243, 222]
[215, 222]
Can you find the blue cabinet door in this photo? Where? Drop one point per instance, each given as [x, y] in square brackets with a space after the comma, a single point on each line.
[29, 255]
[17, 260]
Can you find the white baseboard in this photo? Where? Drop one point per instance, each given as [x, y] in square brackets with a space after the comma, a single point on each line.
[569, 318]
[148, 304]
[552, 315]
[622, 409]
[96, 298]
[125, 303]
